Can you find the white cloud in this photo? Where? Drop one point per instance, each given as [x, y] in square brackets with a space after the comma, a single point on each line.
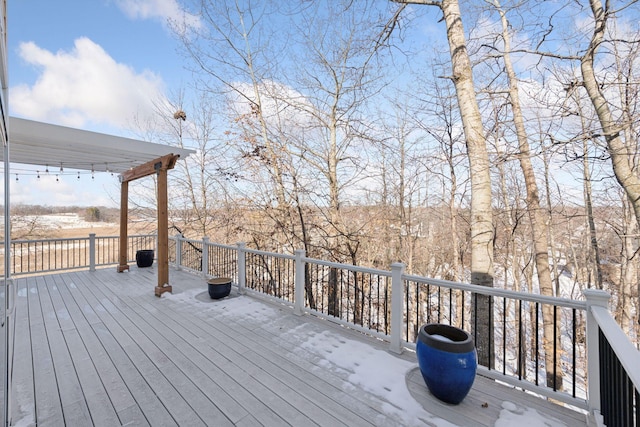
[84, 85]
[167, 11]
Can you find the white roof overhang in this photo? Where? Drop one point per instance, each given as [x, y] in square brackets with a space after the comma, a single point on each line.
[38, 143]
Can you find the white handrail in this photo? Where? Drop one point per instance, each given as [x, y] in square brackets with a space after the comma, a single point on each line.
[485, 290]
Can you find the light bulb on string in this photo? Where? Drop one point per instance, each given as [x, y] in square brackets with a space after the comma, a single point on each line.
[92, 173]
[61, 168]
[57, 180]
[78, 174]
[17, 178]
[38, 172]
[47, 169]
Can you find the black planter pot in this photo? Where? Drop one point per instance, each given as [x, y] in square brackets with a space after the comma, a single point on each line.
[144, 258]
[219, 287]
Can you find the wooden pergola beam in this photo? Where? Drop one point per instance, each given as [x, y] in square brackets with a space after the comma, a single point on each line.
[165, 162]
[159, 166]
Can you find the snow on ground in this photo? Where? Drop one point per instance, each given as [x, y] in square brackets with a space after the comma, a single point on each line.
[361, 360]
[511, 415]
[358, 360]
[57, 221]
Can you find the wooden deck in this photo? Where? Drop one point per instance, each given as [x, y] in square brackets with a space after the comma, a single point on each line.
[98, 348]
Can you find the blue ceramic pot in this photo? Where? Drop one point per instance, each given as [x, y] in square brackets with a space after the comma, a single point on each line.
[447, 360]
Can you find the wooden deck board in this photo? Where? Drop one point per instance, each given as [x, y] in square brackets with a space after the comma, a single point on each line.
[97, 400]
[224, 389]
[23, 364]
[284, 408]
[98, 348]
[112, 397]
[252, 351]
[74, 405]
[48, 408]
[196, 383]
[138, 392]
[142, 357]
[226, 368]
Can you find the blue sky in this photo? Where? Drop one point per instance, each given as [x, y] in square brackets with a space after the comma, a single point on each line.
[90, 64]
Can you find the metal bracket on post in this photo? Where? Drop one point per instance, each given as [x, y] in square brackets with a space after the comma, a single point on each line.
[599, 298]
[242, 268]
[299, 284]
[397, 293]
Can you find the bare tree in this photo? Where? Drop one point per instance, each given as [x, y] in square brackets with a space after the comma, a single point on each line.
[482, 228]
[232, 52]
[620, 150]
[535, 212]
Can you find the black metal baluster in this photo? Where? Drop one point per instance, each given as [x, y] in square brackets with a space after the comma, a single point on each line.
[378, 305]
[462, 310]
[475, 317]
[555, 348]
[407, 305]
[451, 320]
[439, 304]
[489, 337]
[573, 356]
[520, 364]
[504, 336]
[537, 342]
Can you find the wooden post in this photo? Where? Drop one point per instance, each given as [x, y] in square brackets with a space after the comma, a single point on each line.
[159, 166]
[124, 209]
[205, 257]
[299, 283]
[242, 268]
[397, 294]
[178, 238]
[595, 298]
[163, 234]
[92, 251]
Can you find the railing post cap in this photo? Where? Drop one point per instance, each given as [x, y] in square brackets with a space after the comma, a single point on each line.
[397, 265]
[241, 244]
[205, 238]
[301, 252]
[597, 297]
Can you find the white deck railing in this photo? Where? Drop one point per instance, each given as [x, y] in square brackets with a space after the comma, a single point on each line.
[598, 364]
[46, 255]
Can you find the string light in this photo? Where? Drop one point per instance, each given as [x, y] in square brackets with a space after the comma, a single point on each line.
[37, 173]
[17, 178]
[57, 180]
[71, 169]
